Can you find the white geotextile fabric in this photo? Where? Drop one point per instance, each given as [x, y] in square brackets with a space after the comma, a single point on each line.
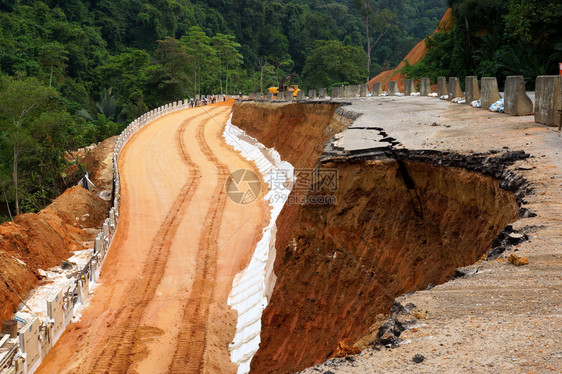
[252, 287]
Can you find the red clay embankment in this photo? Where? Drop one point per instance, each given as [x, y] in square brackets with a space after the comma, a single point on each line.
[44, 240]
[392, 230]
[415, 55]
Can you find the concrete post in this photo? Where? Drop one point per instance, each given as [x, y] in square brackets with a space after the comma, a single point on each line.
[105, 228]
[472, 92]
[112, 221]
[548, 99]
[312, 94]
[516, 102]
[442, 86]
[300, 95]
[425, 86]
[409, 87]
[454, 88]
[350, 91]
[392, 88]
[490, 91]
[322, 93]
[97, 244]
[288, 95]
[377, 88]
[335, 92]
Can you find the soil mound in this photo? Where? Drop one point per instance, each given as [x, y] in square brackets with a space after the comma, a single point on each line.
[97, 160]
[43, 240]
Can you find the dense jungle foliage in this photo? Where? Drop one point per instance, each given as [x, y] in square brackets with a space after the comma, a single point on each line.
[73, 72]
[496, 38]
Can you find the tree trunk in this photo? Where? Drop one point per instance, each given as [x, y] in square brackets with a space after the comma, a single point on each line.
[226, 90]
[261, 80]
[51, 76]
[220, 75]
[15, 177]
[7, 204]
[368, 49]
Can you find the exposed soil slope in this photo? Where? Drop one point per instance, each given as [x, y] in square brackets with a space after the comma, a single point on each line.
[393, 230]
[413, 57]
[347, 262]
[44, 240]
[298, 132]
[97, 160]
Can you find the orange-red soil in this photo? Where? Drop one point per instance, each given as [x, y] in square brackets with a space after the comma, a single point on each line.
[161, 306]
[413, 57]
[44, 240]
[340, 266]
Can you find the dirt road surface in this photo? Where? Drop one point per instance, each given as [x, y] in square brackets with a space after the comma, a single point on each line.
[161, 305]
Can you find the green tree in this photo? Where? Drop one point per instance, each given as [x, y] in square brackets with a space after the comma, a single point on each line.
[227, 51]
[180, 65]
[333, 62]
[20, 102]
[53, 58]
[376, 23]
[198, 46]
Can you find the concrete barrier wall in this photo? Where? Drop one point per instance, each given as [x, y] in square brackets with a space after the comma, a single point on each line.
[454, 90]
[516, 102]
[363, 90]
[322, 93]
[472, 92]
[30, 344]
[548, 100]
[45, 338]
[312, 94]
[351, 91]
[393, 88]
[490, 92]
[425, 87]
[377, 89]
[337, 91]
[409, 87]
[55, 311]
[442, 86]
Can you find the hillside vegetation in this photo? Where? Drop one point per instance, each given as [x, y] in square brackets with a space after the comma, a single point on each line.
[496, 38]
[74, 72]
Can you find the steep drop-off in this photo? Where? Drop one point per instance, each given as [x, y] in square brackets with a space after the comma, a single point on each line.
[392, 228]
[298, 132]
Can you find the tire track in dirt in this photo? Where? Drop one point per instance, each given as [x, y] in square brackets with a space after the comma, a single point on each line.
[115, 356]
[191, 343]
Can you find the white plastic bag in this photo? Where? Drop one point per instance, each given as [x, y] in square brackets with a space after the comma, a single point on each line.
[497, 106]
